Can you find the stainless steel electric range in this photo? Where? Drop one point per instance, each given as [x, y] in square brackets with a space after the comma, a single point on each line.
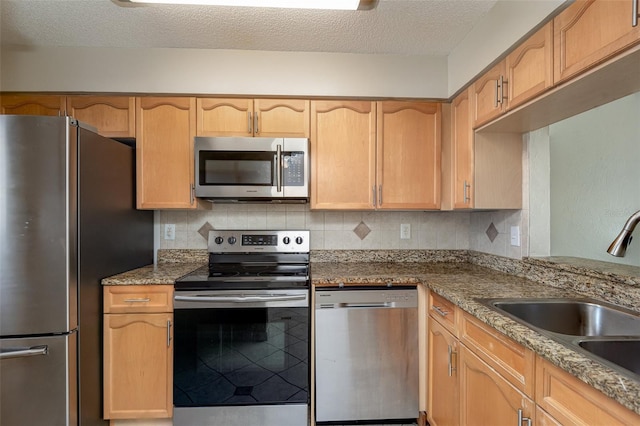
[242, 334]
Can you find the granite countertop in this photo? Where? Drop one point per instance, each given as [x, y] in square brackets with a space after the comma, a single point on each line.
[459, 282]
[462, 283]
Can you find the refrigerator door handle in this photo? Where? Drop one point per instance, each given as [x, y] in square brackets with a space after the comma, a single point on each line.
[21, 353]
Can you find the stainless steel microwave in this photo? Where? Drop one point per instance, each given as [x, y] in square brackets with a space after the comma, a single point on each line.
[230, 169]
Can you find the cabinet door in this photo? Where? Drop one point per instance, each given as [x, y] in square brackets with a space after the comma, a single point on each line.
[486, 398]
[165, 128]
[530, 67]
[281, 118]
[224, 117]
[113, 116]
[488, 95]
[408, 155]
[138, 366]
[589, 32]
[343, 155]
[462, 135]
[33, 104]
[443, 405]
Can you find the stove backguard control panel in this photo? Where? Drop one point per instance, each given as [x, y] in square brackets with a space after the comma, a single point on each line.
[235, 241]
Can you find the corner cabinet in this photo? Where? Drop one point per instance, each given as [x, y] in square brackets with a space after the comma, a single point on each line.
[253, 117]
[591, 31]
[138, 352]
[375, 155]
[165, 128]
[486, 167]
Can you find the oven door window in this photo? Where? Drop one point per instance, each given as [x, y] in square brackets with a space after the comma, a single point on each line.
[237, 168]
[242, 356]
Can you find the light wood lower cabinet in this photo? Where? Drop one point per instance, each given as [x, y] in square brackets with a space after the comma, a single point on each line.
[569, 401]
[138, 352]
[487, 398]
[443, 389]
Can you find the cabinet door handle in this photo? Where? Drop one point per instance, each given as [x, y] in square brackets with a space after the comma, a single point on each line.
[440, 311]
[192, 190]
[373, 191]
[256, 128]
[451, 367]
[634, 11]
[496, 100]
[380, 195]
[503, 82]
[521, 418]
[466, 191]
[138, 300]
[168, 333]
[249, 123]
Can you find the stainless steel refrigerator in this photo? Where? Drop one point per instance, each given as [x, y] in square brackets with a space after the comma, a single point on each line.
[67, 220]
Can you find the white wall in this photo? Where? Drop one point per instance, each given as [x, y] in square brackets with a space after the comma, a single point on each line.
[595, 180]
[200, 71]
[505, 24]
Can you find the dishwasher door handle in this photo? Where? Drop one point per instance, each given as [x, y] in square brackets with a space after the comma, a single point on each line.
[366, 305]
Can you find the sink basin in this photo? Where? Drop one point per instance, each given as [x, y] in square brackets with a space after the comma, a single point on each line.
[599, 330]
[621, 352]
[573, 317]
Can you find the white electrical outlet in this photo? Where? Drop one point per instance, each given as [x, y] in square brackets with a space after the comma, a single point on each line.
[515, 236]
[170, 231]
[405, 231]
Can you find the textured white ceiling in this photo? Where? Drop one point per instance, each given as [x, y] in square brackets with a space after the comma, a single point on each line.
[406, 27]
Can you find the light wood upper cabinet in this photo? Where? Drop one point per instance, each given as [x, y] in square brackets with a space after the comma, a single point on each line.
[408, 155]
[570, 401]
[343, 149]
[589, 32]
[113, 116]
[33, 104]
[367, 155]
[138, 352]
[523, 74]
[165, 128]
[529, 67]
[253, 117]
[488, 95]
[462, 141]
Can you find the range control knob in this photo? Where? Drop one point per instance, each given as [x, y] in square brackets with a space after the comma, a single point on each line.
[219, 240]
[286, 240]
[232, 240]
[298, 240]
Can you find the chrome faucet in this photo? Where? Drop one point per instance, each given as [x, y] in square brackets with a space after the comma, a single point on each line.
[619, 246]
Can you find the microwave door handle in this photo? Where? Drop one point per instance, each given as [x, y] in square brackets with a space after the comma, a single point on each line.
[279, 168]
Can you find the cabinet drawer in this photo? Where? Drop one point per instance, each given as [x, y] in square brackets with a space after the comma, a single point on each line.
[573, 402]
[512, 360]
[443, 311]
[138, 299]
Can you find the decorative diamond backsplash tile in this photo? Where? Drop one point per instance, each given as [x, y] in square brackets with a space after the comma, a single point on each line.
[492, 232]
[204, 230]
[362, 230]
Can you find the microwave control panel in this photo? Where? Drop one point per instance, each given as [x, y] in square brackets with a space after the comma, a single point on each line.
[293, 168]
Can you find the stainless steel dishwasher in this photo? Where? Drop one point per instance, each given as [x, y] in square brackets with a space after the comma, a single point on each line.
[366, 350]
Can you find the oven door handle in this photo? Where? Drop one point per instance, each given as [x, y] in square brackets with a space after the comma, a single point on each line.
[241, 299]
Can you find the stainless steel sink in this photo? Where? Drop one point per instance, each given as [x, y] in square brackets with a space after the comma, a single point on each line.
[599, 330]
[575, 317]
[621, 352]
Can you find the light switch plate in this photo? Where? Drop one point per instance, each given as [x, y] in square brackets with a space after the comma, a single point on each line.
[515, 236]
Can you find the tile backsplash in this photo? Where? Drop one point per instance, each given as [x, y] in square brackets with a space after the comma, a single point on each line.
[333, 230]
